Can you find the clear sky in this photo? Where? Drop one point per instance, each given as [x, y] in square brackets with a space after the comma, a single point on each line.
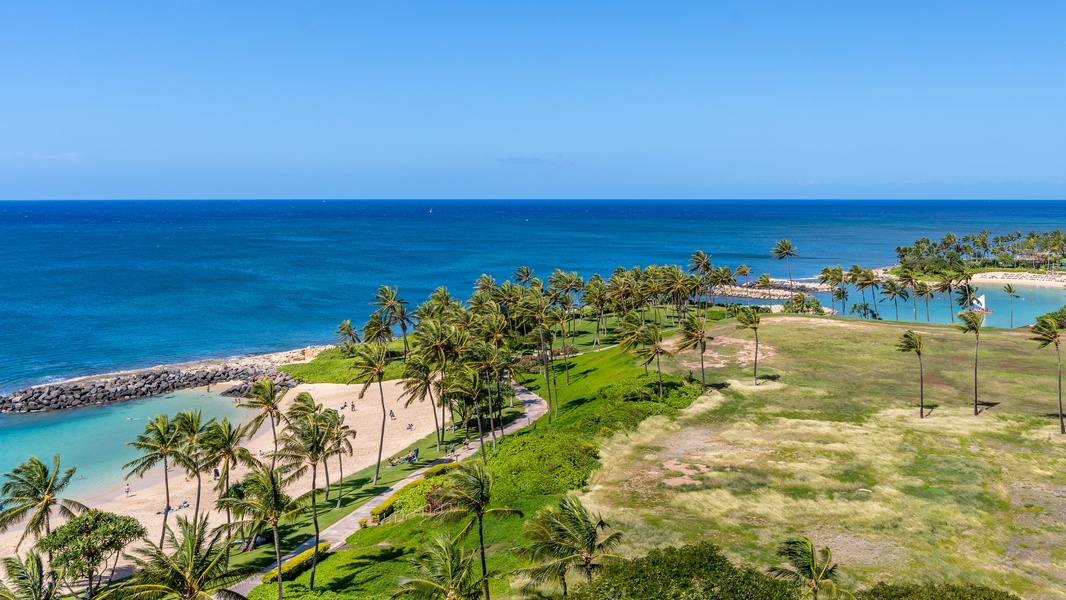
[502, 99]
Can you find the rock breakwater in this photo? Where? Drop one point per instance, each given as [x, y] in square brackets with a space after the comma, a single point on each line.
[154, 381]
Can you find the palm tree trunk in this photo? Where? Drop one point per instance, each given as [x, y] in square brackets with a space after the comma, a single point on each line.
[274, 431]
[492, 423]
[658, 367]
[927, 309]
[755, 370]
[196, 507]
[481, 435]
[314, 519]
[277, 554]
[921, 389]
[166, 509]
[438, 433]
[703, 373]
[562, 352]
[975, 347]
[1012, 312]
[381, 441]
[229, 517]
[484, 567]
[1062, 424]
[547, 381]
[896, 304]
[788, 263]
[340, 475]
[325, 469]
[562, 579]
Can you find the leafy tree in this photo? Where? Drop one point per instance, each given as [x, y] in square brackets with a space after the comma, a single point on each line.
[813, 568]
[370, 364]
[567, 538]
[263, 502]
[222, 446]
[912, 342]
[1046, 332]
[894, 290]
[694, 335]
[653, 348]
[158, 444]
[85, 545]
[31, 492]
[27, 579]
[925, 292]
[196, 568]
[970, 322]
[393, 311]
[445, 572]
[469, 495]
[785, 250]
[749, 319]
[265, 397]
[190, 455]
[1011, 295]
[339, 438]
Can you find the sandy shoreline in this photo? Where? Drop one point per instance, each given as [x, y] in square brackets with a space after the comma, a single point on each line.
[1034, 279]
[147, 495]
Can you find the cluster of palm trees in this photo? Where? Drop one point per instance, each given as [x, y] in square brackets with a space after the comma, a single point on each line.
[1046, 332]
[984, 250]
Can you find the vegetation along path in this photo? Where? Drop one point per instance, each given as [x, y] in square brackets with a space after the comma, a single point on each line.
[336, 534]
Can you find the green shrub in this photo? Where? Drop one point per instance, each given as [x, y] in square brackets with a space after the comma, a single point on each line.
[546, 461]
[438, 470]
[414, 497]
[386, 508]
[298, 564]
[686, 573]
[885, 591]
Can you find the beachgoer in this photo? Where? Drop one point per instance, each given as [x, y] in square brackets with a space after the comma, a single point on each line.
[127, 490]
[392, 415]
[217, 474]
[453, 449]
[410, 426]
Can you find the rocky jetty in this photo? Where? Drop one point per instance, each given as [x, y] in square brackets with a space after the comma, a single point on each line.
[154, 381]
[778, 291]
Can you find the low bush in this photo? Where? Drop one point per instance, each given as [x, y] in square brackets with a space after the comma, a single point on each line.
[438, 470]
[379, 512]
[547, 461]
[686, 573]
[296, 565]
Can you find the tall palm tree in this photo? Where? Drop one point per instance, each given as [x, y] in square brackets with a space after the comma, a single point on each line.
[264, 502]
[970, 322]
[196, 569]
[445, 572]
[158, 444]
[266, 398]
[745, 272]
[31, 492]
[27, 579]
[393, 311]
[764, 282]
[694, 335]
[470, 496]
[435, 341]
[523, 275]
[653, 348]
[370, 364]
[910, 281]
[912, 342]
[1046, 331]
[841, 293]
[222, 445]
[418, 380]
[749, 319]
[340, 438]
[785, 250]
[567, 538]
[346, 334]
[1011, 294]
[377, 330]
[944, 284]
[894, 291]
[535, 307]
[925, 292]
[813, 568]
[304, 445]
[190, 428]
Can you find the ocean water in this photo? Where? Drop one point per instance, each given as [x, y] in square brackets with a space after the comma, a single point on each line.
[96, 286]
[93, 439]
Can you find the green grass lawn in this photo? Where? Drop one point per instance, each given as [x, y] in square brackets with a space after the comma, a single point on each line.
[829, 445]
[331, 366]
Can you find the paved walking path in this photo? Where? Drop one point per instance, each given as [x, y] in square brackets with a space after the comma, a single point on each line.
[337, 533]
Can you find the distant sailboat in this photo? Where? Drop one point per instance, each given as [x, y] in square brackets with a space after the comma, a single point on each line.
[979, 306]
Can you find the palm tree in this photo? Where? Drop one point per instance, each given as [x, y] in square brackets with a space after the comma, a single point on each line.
[694, 335]
[653, 348]
[925, 292]
[304, 445]
[910, 281]
[347, 334]
[785, 250]
[971, 323]
[841, 293]
[197, 568]
[266, 398]
[376, 330]
[190, 429]
[912, 342]
[264, 502]
[393, 311]
[744, 271]
[30, 492]
[764, 282]
[27, 579]
[523, 275]
[222, 445]
[158, 444]
[749, 319]
[370, 364]
[470, 496]
[813, 568]
[445, 572]
[339, 438]
[1046, 331]
[1011, 294]
[892, 289]
[418, 381]
[566, 538]
[944, 283]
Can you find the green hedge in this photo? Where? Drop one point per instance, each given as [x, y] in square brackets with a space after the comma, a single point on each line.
[385, 509]
[438, 470]
[298, 564]
[885, 591]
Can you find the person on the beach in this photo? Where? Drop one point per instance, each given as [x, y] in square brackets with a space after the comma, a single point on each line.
[392, 415]
[127, 490]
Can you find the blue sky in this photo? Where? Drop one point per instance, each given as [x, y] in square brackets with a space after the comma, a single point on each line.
[199, 99]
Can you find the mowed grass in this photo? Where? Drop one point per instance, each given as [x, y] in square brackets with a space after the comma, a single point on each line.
[331, 366]
[829, 445]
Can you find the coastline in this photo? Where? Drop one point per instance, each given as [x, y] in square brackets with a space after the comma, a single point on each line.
[1021, 278]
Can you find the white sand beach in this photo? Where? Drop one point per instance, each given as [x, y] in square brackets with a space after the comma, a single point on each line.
[147, 496]
[1005, 277]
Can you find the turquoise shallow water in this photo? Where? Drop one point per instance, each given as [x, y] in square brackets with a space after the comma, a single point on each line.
[94, 439]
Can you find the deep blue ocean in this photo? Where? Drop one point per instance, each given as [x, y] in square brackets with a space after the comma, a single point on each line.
[96, 286]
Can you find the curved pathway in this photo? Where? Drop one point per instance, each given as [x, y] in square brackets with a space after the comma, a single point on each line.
[338, 533]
